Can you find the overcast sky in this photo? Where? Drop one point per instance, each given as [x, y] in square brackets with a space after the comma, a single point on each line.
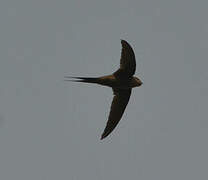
[50, 129]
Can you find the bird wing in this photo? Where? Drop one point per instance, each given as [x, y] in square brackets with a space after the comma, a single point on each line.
[127, 62]
[119, 103]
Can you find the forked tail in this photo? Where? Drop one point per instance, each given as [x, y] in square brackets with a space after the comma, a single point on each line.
[81, 79]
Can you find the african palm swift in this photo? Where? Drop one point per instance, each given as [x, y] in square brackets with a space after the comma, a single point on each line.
[122, 81]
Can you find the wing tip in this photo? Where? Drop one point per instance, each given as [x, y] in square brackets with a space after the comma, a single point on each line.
[124, 41]
[106, 133]
[102, 137]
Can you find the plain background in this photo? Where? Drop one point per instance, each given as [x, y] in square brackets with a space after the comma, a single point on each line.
[50, 129]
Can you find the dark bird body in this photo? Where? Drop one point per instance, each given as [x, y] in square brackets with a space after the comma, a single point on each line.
[122, 81]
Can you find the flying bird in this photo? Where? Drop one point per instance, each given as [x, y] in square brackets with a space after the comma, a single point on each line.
[122, 81]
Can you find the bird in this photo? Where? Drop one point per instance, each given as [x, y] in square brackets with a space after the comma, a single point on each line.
[121, 81]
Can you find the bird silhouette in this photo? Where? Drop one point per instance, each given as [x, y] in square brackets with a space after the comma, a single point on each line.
[122, 81]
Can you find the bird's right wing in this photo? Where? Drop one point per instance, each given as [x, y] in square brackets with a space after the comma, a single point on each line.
[119, 103]
[127, 62]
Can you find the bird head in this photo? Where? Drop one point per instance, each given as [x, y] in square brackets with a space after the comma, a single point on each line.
[137, 82]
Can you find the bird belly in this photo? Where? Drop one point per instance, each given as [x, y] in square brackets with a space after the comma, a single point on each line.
[113, 82]
[134, 82]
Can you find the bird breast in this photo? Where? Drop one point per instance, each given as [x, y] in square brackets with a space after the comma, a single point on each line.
[113, 82]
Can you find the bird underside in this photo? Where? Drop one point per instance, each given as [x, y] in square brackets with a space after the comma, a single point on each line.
[110, 81]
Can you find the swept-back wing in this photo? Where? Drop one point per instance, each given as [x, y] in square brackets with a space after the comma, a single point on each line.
[118, 106]
[127, 62]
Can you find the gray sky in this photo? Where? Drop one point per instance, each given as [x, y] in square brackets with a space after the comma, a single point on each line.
[48, 130]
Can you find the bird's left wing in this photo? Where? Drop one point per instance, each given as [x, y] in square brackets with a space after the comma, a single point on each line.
[127, 62]
[118, 106]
